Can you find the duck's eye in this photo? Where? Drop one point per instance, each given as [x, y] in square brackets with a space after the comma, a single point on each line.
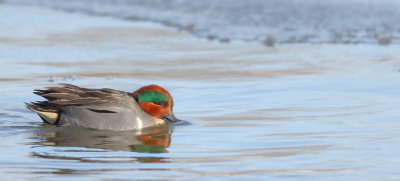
[161, 103]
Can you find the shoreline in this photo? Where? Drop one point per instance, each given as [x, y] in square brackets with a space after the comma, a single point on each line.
[69, 47]
[345, 22]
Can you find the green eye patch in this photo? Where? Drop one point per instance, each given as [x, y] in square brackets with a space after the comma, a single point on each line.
[154, 97]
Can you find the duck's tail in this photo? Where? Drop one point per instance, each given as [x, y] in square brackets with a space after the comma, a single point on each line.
[47, 113]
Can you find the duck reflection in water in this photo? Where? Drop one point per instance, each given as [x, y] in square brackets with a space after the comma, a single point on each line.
[148, 140]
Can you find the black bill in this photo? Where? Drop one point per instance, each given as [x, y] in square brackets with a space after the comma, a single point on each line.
[170, 117]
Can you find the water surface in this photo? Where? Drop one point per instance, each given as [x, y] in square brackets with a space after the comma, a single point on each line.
[267, 21]
[291, 112]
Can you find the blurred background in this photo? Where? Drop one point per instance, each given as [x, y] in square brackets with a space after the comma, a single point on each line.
[280, 21]
[273, 89]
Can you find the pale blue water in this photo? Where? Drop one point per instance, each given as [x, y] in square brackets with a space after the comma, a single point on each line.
[292, 112]
[283, 21]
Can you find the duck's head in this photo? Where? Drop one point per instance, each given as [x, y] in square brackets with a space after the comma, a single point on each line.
[156, 101]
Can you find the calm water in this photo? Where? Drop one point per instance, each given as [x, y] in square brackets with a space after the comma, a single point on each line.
[292, 112]
[268, 21]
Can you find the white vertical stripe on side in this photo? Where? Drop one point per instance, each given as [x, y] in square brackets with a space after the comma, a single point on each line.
[139, 123]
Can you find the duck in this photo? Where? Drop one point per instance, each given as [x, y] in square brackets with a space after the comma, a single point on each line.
[105, 108]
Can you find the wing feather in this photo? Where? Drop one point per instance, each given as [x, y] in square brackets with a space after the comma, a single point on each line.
[68, 95]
